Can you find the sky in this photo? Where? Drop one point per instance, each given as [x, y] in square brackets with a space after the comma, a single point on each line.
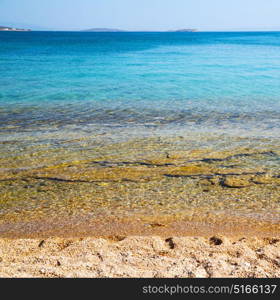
[142, 14]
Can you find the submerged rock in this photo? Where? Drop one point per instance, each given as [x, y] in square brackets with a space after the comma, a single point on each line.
[262, 179]
[236, 182]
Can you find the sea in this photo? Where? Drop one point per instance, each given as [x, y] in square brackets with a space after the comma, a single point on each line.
[66, 82]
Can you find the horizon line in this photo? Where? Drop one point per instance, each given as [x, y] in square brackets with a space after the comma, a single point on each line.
[163, 31]
[112, 28]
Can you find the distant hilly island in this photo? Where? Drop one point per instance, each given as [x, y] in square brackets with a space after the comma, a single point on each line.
[104, 30]
[184, 30]
[119, 30]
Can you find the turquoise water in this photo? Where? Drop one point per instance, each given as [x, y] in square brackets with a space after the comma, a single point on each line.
[140, 78]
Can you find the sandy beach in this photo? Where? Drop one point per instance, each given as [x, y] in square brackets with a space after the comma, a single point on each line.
[124, 257]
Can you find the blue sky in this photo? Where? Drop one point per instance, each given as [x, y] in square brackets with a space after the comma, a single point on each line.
[142, 14]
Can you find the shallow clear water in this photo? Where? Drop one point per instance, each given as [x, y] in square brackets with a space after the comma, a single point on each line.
[206, 79]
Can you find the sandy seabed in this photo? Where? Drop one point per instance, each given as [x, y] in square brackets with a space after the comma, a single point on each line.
[135, 256]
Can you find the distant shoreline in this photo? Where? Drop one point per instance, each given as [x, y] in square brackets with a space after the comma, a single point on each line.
[9, 29]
